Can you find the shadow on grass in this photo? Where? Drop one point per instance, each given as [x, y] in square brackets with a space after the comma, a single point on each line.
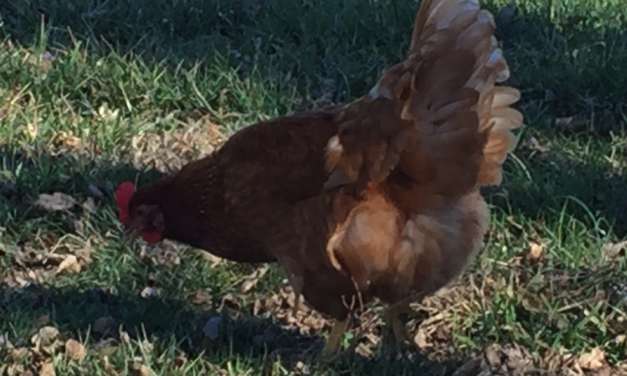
[165, 322]
[558, 188]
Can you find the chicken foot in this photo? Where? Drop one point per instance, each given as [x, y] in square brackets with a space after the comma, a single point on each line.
[334, 341]
[394, 324]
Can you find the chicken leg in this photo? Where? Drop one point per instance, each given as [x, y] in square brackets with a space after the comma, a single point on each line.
[334, 342]
[393, 320]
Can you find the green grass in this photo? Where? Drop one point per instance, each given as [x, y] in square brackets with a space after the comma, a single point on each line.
[81, 81]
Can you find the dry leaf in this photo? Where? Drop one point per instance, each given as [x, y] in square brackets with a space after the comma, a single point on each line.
[142, 370]
[213, 259]
[200, 298]
[75, 350]
[180, 360]
[420, 339]
[68, 141]
[252, 280]
[107, 347]
[108, 368]
[536, 252]
[45, 337]
[593, 360]
[605, 371]
[18, 354]
[55, 202]
[47, 369]
[32, 130]
[536, 147]
[149, 292]
[69, 264]
[614, 251]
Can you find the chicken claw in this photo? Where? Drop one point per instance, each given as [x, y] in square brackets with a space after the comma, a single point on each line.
[335, 340]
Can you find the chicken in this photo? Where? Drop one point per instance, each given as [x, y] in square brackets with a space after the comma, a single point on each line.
[376, 199]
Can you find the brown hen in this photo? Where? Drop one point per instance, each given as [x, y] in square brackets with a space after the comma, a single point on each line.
[375, 199]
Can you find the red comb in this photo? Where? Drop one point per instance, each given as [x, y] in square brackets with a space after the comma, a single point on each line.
[123, 195]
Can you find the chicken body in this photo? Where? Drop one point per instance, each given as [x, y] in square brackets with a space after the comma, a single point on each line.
[375, 199]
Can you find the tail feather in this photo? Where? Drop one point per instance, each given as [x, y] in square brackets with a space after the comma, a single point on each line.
[438, 116]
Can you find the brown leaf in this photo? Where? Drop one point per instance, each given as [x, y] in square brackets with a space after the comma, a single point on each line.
[47, 369]
[149, 292]
[536, 147]
[200, 298]
[18, 354]
[107, 347]
[493, 356]
[55, 202]
[180, 360]
[593, 360]
[614, 251]
[420, 339]
[536, 252]
[252, 280]
[142, 370]
[70, 265]
[27, 256]
[605, 371]
[213, 259]
[75, 350]
[45, 336]
[108, 368]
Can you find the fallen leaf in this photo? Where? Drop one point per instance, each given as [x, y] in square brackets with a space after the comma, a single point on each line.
[125, 338]
[147, 346]
[200, 298]
[420, 339]
[18, 354]
[32, 130]
[75, 350]
[142, 370]
[605, 371]
[67, 140]
[492, 356]
[252, 280]
[614, 251]
[180, 360]
[27, 256]
[536, 252]
[593, 360]
[108, 368]
[107, 347]
[149, 292]
[45, 336]
[55, 202]
[536, 148]
[69, 264]
[47, 369]
[213, 260]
